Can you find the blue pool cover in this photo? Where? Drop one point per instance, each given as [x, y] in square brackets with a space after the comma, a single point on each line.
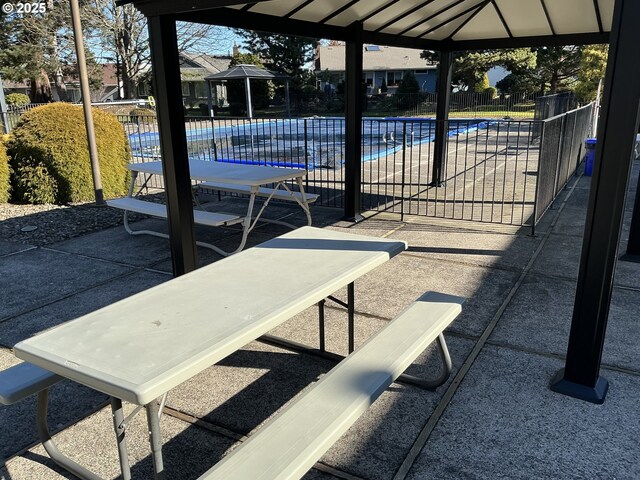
[310, 142]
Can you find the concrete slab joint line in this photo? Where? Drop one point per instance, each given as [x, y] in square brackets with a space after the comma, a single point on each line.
[424, 435]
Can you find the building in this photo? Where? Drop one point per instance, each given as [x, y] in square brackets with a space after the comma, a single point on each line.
[193, 69]
[381, 65]
[107, 92]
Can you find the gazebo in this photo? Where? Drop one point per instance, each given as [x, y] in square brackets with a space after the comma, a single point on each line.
[247, 73]
[444, 26]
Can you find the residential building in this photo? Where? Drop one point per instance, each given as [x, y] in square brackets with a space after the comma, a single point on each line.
[381, 65]
[108, 92]
[193, 69]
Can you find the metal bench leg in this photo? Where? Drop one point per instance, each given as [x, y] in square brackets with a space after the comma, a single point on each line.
[120, 428]
[351, 313]
[155, 439]
[304, 203]
[444, 375]
[321, 325]
[47, 442]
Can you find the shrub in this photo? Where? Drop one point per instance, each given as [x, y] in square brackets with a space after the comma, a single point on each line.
[204, 109]
[17, 99]
[4, 172]
[50, 158]
[136, 113]
[491, 92]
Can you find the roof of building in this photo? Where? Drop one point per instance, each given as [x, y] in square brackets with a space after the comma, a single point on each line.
[374, 57]
[246, 71]
[196, 66]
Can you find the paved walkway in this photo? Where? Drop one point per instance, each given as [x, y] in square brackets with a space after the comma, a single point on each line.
[495, 418]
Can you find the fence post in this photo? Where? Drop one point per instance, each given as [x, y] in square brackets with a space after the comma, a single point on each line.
[6, 128]
[559, 157]
[404, 163]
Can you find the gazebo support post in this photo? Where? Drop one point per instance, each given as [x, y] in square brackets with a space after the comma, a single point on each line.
[633, 245]
[618, 126]
[247, 91]
[173, 142]
[353, 125]
[209, 98]
[287, 98]
[442, 117]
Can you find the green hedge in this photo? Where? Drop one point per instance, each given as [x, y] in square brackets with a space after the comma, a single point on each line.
[18, 99]
[138, 112]
[50, 158]
[4, 172]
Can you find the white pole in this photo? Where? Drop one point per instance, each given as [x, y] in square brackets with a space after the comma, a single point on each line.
[596, 110]
[247, 87]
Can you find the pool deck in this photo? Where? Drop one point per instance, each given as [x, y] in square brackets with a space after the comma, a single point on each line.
[495, 418]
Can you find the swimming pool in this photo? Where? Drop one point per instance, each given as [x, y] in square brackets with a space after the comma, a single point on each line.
[316, 142]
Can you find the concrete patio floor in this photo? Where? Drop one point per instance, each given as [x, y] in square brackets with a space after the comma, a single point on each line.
[495, 417]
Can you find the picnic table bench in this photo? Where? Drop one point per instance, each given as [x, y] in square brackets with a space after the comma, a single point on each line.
[252, 180]
[104, 349]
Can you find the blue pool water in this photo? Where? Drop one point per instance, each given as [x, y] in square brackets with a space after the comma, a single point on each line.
[311, 142]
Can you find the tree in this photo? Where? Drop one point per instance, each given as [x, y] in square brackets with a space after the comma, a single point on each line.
[517, 83]
[593, 63]
[121, 33]
[38, 47]
[470, 68]
[408, 85]
[282, 53]
[557, 67]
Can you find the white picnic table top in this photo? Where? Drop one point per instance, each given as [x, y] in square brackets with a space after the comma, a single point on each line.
[236, 173]
[143, 346]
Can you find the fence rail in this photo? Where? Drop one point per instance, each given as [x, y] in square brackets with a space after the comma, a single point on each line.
[561, 151]
[496, 170]
[462, 104]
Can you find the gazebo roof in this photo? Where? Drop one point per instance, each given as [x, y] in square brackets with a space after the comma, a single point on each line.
[435, 24]
[246, 71]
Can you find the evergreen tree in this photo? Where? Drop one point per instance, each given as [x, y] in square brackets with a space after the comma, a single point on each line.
[39, 47]
[283, 54]
[470, 68]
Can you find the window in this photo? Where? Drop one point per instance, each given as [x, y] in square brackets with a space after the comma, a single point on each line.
[201, 89]
[367, 77]
[394, 78]
[372, 48]
[185, 89]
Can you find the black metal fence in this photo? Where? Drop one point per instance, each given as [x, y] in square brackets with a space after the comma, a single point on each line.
[561, 151]
[548, 106]
[496, 170]
[463, 104]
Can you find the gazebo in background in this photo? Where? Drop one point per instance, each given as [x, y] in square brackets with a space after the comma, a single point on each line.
[446, 27]
[247, 73]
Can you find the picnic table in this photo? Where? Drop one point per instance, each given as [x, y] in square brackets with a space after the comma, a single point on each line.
[140, 348]
[253, 180]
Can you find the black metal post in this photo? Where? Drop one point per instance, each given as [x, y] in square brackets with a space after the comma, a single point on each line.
[353, 125]
[173, 142]
[442, 117]
[618, 125]
[633, 245]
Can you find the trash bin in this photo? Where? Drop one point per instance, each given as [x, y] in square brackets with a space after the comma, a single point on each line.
[590, 146]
